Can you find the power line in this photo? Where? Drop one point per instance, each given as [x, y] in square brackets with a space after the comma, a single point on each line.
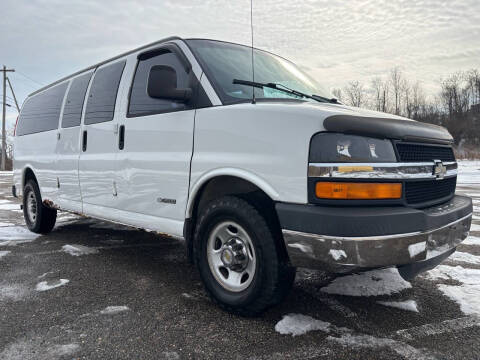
[29, 78]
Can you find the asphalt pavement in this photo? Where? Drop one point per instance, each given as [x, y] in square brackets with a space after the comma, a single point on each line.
[96, 290]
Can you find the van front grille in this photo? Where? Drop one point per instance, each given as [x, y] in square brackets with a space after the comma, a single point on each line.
[418, 192]
[423, 152]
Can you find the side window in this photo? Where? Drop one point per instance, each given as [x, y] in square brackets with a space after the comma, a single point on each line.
[141, 103]
[41, 112]
[103, 93]
[72, 112]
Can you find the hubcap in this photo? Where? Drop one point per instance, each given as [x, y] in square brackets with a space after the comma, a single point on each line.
[231, 256]
[31, 207]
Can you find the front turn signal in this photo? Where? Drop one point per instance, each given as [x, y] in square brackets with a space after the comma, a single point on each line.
[358, 191]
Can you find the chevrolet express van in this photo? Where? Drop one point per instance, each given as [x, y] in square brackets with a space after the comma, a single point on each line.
[258, 177]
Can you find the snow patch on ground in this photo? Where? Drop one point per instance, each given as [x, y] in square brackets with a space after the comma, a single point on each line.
[34, 350]
[409, 305]
[45, 286]
[298, 324]
[9, 206]
[465, 257]
[463, 275]
[472, 240]
[2, 224]
[475, 227]
[12, 293]
[110, 310]
[79, 250]
[370, 283]
[368, 341]
[337, 254]
[14, 235]
[467, 295]
[4, 253]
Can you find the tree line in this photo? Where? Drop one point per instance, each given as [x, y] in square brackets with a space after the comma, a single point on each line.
[456, 106]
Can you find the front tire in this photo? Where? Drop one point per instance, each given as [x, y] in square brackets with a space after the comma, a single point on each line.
[39, 218]
[239, 257]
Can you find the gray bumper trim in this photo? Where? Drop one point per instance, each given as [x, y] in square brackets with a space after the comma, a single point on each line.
[343, 254]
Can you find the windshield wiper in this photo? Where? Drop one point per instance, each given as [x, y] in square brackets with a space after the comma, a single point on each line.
[283, 88]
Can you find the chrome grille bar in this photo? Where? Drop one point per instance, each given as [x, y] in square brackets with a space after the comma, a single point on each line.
[393, 171]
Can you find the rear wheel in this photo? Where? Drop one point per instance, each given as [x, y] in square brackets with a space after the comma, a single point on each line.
[39, 218]
[239, 257]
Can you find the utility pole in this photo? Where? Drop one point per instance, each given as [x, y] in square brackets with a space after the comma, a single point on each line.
[4, 118]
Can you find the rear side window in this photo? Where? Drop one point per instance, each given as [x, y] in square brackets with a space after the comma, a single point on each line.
[140, 103]
[41, 112]
[103, 93]
[72, 112]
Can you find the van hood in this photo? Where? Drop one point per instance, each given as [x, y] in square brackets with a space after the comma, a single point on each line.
[350, 120]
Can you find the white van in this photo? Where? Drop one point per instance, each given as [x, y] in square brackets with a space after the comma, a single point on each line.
[259, 177]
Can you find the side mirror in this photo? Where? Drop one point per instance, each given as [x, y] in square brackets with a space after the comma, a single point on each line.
[162, 84]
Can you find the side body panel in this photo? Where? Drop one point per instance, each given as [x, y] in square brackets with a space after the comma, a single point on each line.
[97, 165]
[264, 143]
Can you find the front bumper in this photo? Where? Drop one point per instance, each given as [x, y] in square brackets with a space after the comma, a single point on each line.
[345, 239]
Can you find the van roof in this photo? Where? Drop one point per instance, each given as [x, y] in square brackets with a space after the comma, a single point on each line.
[105, 62]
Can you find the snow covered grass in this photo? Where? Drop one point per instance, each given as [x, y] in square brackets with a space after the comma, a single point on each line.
[298, 324]
[13, 235]
[79, 250]
[45, 286]
[370, 283]
[468, 172]
[111, 310]
[408, 305]
[4, 253]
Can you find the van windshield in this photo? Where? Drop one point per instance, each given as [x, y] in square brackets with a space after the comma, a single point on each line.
[224, 62]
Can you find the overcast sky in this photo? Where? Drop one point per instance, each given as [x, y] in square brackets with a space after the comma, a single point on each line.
[335, 41]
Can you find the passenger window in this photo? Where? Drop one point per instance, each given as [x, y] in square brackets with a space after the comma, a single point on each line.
[103, 93]
[41, 112]
[141, 103]
[72, 112]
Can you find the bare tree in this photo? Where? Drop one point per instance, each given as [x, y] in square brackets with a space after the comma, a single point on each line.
[355, 93]
[398, 87]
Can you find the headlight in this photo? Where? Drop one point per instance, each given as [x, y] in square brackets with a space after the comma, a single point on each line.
[338, 148]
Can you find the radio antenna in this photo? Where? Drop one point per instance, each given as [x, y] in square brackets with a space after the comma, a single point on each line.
[253, 63]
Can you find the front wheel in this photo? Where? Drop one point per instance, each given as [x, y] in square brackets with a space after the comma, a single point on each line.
[239, 257]
[39, 218]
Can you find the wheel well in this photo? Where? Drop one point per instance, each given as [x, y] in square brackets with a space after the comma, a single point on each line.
[28, 175]
[230, 185]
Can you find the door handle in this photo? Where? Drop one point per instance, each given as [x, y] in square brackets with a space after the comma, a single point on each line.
[121, 137]
[84, 141]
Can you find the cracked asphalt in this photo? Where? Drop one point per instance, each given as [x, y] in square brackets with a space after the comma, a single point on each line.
[162, 311]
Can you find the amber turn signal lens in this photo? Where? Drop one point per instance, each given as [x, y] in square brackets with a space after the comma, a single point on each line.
[358, 191]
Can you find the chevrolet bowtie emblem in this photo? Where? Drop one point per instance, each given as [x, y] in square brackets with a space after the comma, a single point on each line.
[439, 170]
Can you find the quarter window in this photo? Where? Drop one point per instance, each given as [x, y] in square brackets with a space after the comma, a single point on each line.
[72, 112]
[41, 112]
[103, 93]
[140, 103]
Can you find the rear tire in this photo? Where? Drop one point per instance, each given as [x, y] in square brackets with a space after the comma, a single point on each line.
[239, 257]
[39, 218]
